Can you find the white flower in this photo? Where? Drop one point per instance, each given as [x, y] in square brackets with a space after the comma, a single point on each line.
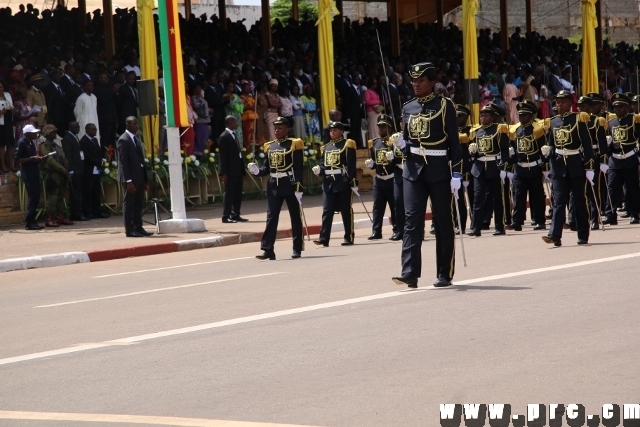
[192, 157]
[306, 153]
[166, 162]
[212, 154]
[157, 160]
[250, 155]
[115, 164]
[262, 155]
[18, 174]
[312, 152]
[104, 160]
[106, 171]
[197, 163]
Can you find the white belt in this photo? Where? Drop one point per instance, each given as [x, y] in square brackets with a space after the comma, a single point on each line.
[281, 174]
[424, 152]
[623, 156]
[400, 165]
[530, 164]
[333, 172]
[487, 158]
[567, 152]
[384, 177]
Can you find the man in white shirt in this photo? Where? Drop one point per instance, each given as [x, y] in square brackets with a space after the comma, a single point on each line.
[86, 109]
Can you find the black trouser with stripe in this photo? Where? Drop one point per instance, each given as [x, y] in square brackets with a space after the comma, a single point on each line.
[383, 195]
[532, 186]
[562, 188]
[342, 201]
[616, 178]
[482, 186]
[274, 206]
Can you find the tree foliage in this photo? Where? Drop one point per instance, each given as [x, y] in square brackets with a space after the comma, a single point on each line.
[281, 10]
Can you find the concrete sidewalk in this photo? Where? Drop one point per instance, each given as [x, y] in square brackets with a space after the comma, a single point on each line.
[104, 239]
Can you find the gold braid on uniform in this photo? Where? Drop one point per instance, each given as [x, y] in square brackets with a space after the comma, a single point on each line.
[602, 122]
[538, 131]
[584, 117]
[370, 143]
[611, 116]
[425, 99]
[636, 118]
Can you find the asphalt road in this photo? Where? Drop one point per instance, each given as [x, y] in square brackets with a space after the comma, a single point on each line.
[325, 340]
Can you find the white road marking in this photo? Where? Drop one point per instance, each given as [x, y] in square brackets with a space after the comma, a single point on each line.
[133, 419]
[158, 290]
[309, 308]
[172, 267]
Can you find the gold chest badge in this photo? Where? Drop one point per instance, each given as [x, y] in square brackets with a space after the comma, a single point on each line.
[381, 157]
[277, 159]
[525, 144]
[562, 135]
[420, 125]
[485, 144]
[620, 134]
[332, 158]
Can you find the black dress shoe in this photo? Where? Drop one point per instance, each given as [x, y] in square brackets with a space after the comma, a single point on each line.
[569, 226]
[625, 215]
[552, 239]
[320, 242]
[499, 233]
[34, 226]
[582, 241]
[267, 255]
[228, 220]
[144, 232]
[595, 226]
[514, 226]
[549, 215]
[395, 237]
[406, 279]
[134, 234]
[432, 231]
[473, 232]
[610, 221]
[346, 242]
[295, 254]
[634, 220]
[539, 227]
[238, 218]
[375, 236]
[442, 282]
[102, 215]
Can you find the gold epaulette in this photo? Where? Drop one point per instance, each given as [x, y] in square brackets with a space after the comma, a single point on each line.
[297, 144]
[611, 116]
[475, 127]
[602, 122]
[636, 118]
[464, 138]
[322, 149]
[503, 128]
[513, 129]
[265, 146]
[538, 132]
[546, 123]
[350, 144]
[584, 117]
[370, 143]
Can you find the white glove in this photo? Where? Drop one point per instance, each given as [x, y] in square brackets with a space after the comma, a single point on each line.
[503, 175]
[473, 148]
[545, 150]
[355, 190]
[390, 155]
[398, 140]
[465, 183]
[253, 169]
[510, 176]
[590, 176]
[604, 167]
[455, 186]
[298, 196]
[369, 163]
[545, 174]
[316, 170]
[609, 139]
[511, 151]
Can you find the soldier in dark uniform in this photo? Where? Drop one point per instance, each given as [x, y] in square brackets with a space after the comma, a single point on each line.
[285, 166]
[570, 155]
[397, 163]
[623, 132]
[432, 170]
[339, 170]
[379, 150]
[528, 163]
[598, 110]
[466, 135]
[490, 153]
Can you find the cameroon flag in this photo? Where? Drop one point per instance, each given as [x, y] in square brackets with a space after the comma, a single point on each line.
[173, 73]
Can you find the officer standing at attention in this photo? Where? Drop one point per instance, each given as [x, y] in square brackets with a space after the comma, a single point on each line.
[490, 153]
[466, 135]
[624, 131]
[432, 170]
[570, 155]
[602, 124]
[339, 171]
[526, 140]
[379, 150]
[397, 164]
[285, 166]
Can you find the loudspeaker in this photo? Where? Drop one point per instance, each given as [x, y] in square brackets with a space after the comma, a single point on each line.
[147, 97]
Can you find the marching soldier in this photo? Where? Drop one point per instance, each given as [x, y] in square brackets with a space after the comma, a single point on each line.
[623, 132]
[56, 177]
[284, 165]
[490, 153]
[397, 159]
[339, 171]
[466, 135]
[432, 170]
[380, 151]
[598, 110]
[570, 155]
[526, 141]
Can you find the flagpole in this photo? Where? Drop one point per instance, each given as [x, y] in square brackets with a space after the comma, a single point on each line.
[175, 174]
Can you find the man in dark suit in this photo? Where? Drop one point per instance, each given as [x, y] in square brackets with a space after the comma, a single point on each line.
[213, 95]
[232, 171]
[107, 112]
[58, 109]
[133, 176]
[91, 191]
[353, 112]
[127, 101]
[75, 157]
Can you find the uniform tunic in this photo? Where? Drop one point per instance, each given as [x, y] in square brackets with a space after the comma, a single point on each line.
[467, 136]
[383, 193]
[399, 158]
